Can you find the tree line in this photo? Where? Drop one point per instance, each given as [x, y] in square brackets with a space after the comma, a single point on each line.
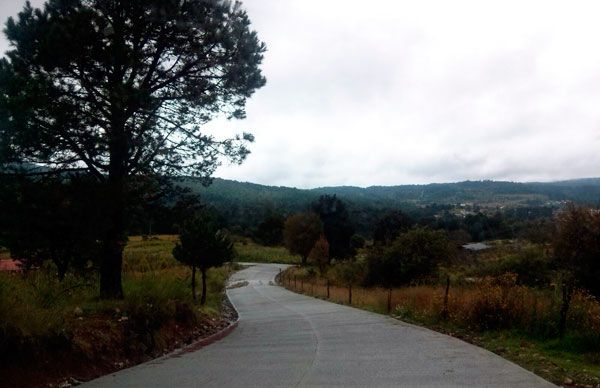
[403, 251]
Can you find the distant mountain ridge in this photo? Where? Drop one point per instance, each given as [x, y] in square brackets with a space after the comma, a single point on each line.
[482, 192]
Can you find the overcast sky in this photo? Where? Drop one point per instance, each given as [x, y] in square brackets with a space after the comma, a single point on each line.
[385, 92]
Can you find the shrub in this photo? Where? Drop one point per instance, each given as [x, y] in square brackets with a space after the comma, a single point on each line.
[530, 265]
[319, 254]
[349, 272]
[357, 242]
[414, 255]
[300, 233]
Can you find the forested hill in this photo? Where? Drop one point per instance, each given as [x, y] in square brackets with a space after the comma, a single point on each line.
[246, 203]
[479, 192]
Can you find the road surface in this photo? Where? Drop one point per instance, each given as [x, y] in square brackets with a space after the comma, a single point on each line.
[288, 340]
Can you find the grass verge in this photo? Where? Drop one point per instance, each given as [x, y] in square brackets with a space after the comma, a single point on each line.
[51, 331]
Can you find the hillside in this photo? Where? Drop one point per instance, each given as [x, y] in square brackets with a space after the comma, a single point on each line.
[248, 203]
[478, 192]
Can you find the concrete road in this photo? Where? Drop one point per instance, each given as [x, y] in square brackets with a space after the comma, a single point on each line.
[285, 339]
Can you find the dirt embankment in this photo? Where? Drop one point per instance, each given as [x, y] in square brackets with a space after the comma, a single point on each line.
[103, 344]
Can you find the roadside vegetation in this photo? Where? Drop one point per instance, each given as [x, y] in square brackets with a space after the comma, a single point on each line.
[57, 329]
[247, 250]
[534, 303]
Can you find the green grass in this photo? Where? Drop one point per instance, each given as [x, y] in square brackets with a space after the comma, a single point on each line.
[143, 255]
[248, 251]
[553, 359]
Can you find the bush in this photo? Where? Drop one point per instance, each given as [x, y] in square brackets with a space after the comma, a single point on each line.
[357, 242]
[319, 254]
[531, 266]
[349, 272]
[414, 255]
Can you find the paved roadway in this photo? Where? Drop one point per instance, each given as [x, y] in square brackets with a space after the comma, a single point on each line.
[289, 340]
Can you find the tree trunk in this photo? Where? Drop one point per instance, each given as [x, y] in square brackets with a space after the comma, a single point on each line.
[114, 242]
[203, 297]
[110, 269]
[115, 239]
[194, 283]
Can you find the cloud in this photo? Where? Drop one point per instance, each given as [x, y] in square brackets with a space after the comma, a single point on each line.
[391, 92]
[415, 92]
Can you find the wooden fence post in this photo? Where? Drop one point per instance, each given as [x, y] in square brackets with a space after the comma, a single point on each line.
[350, 294]
[389, 301]
[445, 309]
[327, 288]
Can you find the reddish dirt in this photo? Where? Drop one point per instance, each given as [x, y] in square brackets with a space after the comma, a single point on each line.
[8, 265]
[105, 345]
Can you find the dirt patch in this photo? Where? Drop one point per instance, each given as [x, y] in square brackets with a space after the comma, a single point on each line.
[102, 344]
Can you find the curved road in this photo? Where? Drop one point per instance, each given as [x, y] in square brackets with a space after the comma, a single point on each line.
[284, 339]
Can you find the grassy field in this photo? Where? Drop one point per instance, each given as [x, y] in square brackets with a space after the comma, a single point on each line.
[513, 321]
[248, 251]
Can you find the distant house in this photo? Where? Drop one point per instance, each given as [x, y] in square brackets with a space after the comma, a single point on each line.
[475, 247]
[10, 266]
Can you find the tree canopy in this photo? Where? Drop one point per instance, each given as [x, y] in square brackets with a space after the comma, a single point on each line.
[122, 88]
[300, 233]
[202, 245]
[414, 255]
[577, 246]
[90, 82]
[389, 227]
[337, 226]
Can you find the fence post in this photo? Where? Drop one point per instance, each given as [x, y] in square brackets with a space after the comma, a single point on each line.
[295, 282]
[327, 288]
[389, 301]
[302, 285]
[350, 294]
[445, 309]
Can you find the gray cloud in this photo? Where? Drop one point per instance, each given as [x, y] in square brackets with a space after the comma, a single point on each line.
[391, 92]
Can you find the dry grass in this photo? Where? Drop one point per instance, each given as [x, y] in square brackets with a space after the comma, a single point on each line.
[248, 251]
[491, 303]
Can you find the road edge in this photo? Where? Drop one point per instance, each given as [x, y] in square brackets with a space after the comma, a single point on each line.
[397, 321]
